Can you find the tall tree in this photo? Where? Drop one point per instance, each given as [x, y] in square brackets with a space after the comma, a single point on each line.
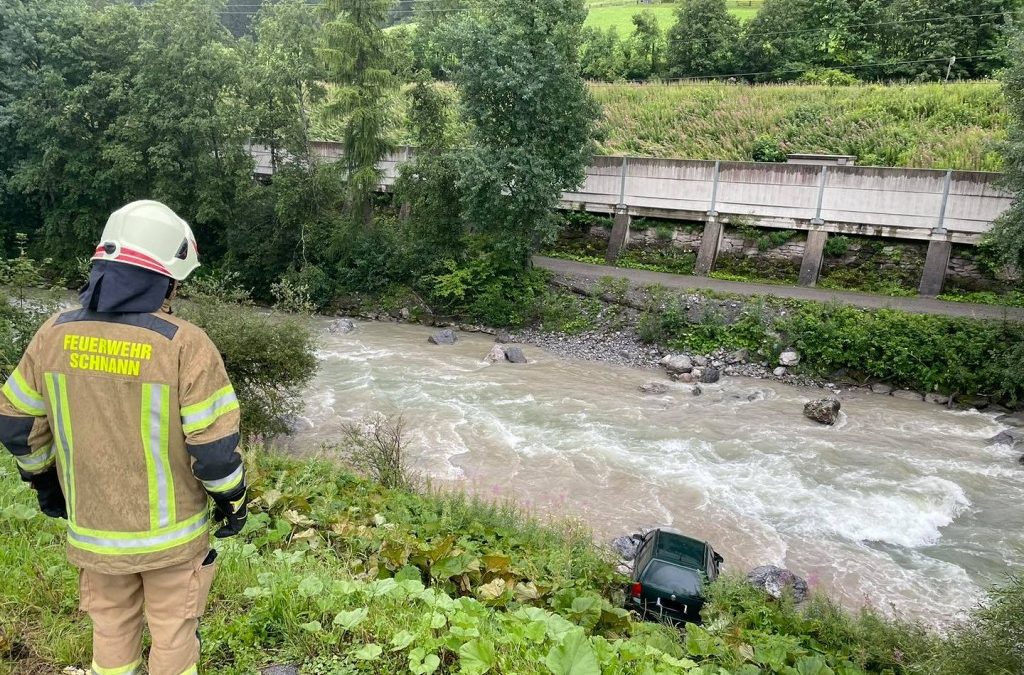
[788, 36]
[645, 50]
[703, 39]
[1007, 237]
[283, 77]
[360, 61]
[601, 54]
[532, 117]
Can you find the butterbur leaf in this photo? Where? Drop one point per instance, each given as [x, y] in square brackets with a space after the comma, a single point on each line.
[812, 665]
[526, 592]
[311, 627]
[699, 642]
[493, 590]
[311, 586]
[574, 656]
[496, 563]
[477, 656]
[296, 518]
[401, 640]
[368, 652]
[351, 619]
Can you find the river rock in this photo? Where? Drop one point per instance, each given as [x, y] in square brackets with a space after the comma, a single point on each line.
[700, 361]
[940, 399]
[1009, 437]
[710, 375]
[976, 402]
[685, 378]
[738, 356]
[789, 358]
[677, 363]
[626, 546]
[779, 372]
[515, 355]
[697, 391]
[697, 374]
[342, 326]
[1012, 419]
[503, 337]
[657, 388]
[908, 395]
[825, 411]
[881, 388]
[280, 670]
[774, 580]
[443, 337]
[496, 354]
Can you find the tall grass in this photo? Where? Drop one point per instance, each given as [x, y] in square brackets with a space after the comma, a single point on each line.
[954, 126]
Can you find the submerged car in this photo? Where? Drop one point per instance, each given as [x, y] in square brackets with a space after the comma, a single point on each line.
[670, 572]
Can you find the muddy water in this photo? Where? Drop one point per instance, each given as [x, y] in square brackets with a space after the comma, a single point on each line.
[900, 505]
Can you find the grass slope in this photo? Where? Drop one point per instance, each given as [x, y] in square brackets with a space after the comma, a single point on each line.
[957, 126]
[604, 14]
[342, 576]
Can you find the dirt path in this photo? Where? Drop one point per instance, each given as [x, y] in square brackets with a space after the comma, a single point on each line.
[915, 305]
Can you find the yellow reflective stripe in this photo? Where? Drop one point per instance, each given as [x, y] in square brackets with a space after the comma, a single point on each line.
[132, 543]
[130, 669]
[199, 416]
[37, 461]
[56, 385]
[22, 396]
[153, 428]
[193, 670]
[228, 483]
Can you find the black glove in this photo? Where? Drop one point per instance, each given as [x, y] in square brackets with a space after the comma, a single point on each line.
[230, 509]
[48, 492]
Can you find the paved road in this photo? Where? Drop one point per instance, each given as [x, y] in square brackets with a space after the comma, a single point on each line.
[916, 305]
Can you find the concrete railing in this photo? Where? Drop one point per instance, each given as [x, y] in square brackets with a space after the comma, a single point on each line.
[941, 207]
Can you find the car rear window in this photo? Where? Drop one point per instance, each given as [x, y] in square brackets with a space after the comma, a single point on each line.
[671, 579]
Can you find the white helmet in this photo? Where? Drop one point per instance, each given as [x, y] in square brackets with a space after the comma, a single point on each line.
[150, 235]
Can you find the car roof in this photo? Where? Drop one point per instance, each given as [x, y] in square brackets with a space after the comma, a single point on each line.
[680, 549]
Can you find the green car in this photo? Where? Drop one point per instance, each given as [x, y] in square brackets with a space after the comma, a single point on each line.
[670, 571]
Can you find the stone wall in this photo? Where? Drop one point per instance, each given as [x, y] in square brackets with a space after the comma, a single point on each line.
[899, 261]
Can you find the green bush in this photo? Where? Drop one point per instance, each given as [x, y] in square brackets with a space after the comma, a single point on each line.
[926, 353]
[269, 358]
[837, 245]
[768, 149]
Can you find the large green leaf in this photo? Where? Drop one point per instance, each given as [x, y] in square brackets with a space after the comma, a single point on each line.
[477, 656]
[574, 656]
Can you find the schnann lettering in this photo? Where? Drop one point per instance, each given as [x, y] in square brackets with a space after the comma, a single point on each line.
[118, 357]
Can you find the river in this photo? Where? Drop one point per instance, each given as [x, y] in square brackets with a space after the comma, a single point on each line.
[901, 505]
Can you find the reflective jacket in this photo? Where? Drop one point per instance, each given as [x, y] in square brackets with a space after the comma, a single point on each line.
[137, 412]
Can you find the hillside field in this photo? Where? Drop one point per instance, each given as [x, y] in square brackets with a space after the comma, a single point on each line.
[953, 126]
[619, 13]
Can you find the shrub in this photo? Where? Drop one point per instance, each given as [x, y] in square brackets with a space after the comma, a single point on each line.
[828, 76]
[768, 149]
[376, 447]
[837, 245]
[269, 358]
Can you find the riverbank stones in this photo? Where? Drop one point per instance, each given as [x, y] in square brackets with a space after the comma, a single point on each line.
[655, 388]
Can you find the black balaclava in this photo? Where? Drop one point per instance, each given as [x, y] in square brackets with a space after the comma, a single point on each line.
[119, 288]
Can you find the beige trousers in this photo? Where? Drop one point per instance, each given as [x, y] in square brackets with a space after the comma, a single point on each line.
[173, 599]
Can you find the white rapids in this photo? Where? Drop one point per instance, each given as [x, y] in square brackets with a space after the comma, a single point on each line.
[901, 505]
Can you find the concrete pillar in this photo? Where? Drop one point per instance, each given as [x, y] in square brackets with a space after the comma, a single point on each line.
[814, 251]
[709, 246]
[620, 236]
[935, 264]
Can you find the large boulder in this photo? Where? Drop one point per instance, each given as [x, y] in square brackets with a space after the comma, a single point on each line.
[656, 388]
[710, 375]
[1015, 419]
[789, 358]
[342, 326]
[677, 363]
[515, 355]
[779, 372]
[774, 580]
[825, 411]
[881, 388]
[443, 337]
[908, 395]
[496, 354]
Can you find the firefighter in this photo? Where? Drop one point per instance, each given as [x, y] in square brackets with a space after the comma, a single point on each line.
[121, 417]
